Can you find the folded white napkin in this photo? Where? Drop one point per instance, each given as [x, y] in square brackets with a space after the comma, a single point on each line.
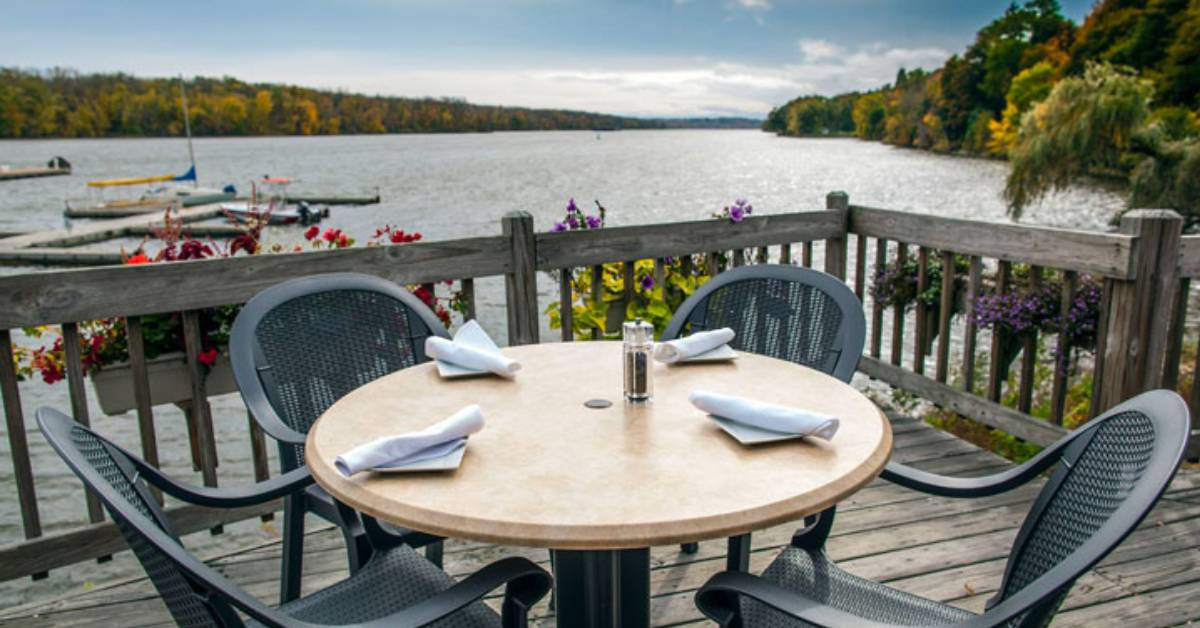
[472, 349]
[765, 415]
[691, 346]
[436, 440]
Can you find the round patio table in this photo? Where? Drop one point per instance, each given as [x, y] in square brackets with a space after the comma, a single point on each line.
[601, 486]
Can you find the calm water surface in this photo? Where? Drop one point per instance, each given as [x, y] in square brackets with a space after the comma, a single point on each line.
[448, 186]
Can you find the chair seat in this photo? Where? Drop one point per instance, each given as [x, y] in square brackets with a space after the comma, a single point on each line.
[813, 575]
[392, 580]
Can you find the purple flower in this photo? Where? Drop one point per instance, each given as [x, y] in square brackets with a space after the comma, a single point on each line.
[749, 209]
[572, 222]
[558, 226]
[571, 207]
[736, 213]
[594, 222]
[647, 283]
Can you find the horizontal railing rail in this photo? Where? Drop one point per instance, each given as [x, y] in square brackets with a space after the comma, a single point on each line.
[1107, 254]
[1146, 263]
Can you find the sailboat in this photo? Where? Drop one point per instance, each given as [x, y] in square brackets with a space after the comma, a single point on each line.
[156, 192]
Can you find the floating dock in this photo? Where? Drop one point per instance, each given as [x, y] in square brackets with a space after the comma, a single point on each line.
[30, 173]
[137, 210]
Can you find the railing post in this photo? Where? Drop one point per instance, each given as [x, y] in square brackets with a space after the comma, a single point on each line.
[520, 284]
[1138, 317]
[835, 248]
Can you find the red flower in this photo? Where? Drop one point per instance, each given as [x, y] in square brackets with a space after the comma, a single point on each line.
[415, 236]
[343, 240]
[140, 258]
[311, 232]
[208, 357]
[397, 237]
[331, 235]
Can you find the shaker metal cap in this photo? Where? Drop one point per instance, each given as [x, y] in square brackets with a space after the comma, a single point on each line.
[638, 332]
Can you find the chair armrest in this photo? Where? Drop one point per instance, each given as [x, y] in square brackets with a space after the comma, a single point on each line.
[718, 600]
[525, 584]
[1006, 480]
[231, 497]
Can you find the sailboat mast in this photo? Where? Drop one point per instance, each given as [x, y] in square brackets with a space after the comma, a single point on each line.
[187, 127]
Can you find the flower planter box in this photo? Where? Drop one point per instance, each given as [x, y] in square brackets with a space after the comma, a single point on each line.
[169, 382]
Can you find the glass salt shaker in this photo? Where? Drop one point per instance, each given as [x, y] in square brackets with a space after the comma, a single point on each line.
[638, 365]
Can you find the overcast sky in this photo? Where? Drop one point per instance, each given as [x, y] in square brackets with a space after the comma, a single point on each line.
[645, 58]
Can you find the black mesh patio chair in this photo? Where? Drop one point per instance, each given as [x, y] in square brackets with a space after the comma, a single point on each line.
[1108, 475]
[298, 347]
[396, 586]
[794, 314]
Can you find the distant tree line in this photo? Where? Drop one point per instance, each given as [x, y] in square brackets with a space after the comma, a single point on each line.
[974, 102]
[64, 103]
[1118, 96]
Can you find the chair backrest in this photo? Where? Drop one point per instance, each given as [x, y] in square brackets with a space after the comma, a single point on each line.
[795, 314]
[109, 473]
[298, 347]
[1106, 481]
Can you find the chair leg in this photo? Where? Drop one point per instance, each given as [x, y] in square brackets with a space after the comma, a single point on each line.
[737, 557]
[433, 552]
[293, 548]
[689, 548]
[815, 531]
[358, 547]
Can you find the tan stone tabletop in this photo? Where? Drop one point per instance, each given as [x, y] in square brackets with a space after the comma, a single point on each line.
[548, 472]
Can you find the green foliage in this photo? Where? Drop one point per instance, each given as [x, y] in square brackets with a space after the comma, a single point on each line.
[1167, 174]
[1084, 126]
[814, 116]
[646, 300]
[869, 116]
[64, 103]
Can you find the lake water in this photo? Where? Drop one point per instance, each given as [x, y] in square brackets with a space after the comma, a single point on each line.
[448, 186]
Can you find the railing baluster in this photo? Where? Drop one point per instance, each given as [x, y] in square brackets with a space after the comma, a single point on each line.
[73, 364]
[1029, 350]
[627, 280]
[566, 305]
[141, 393]
[944, 314]
[597, 291]
[739, 258]
[468, 295]
[876, 306]
[18, 445]
[660, 273]
[997, 370]
[898, 310]
[1170, 377]
[1102, 348]
[763, 255]
[711, 264]
[808, 254]
[921, 342]
[860, 266]
[199, 408]
[1062, 362]
[974, 282]
[785, 253]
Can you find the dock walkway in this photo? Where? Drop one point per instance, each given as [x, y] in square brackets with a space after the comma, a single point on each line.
[950, 550]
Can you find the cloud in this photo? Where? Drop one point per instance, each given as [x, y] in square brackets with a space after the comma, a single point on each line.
[755, 5]
[642, 86]
[819, 49]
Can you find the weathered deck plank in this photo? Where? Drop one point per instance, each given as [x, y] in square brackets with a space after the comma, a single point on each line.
[950, 550]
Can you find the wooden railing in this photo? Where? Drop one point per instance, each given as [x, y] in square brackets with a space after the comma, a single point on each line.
[1139, 347]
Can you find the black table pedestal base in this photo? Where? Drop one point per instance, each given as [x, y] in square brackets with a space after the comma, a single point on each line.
[602, 588]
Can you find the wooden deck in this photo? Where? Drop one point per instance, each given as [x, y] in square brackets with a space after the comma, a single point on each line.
[950, 550]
